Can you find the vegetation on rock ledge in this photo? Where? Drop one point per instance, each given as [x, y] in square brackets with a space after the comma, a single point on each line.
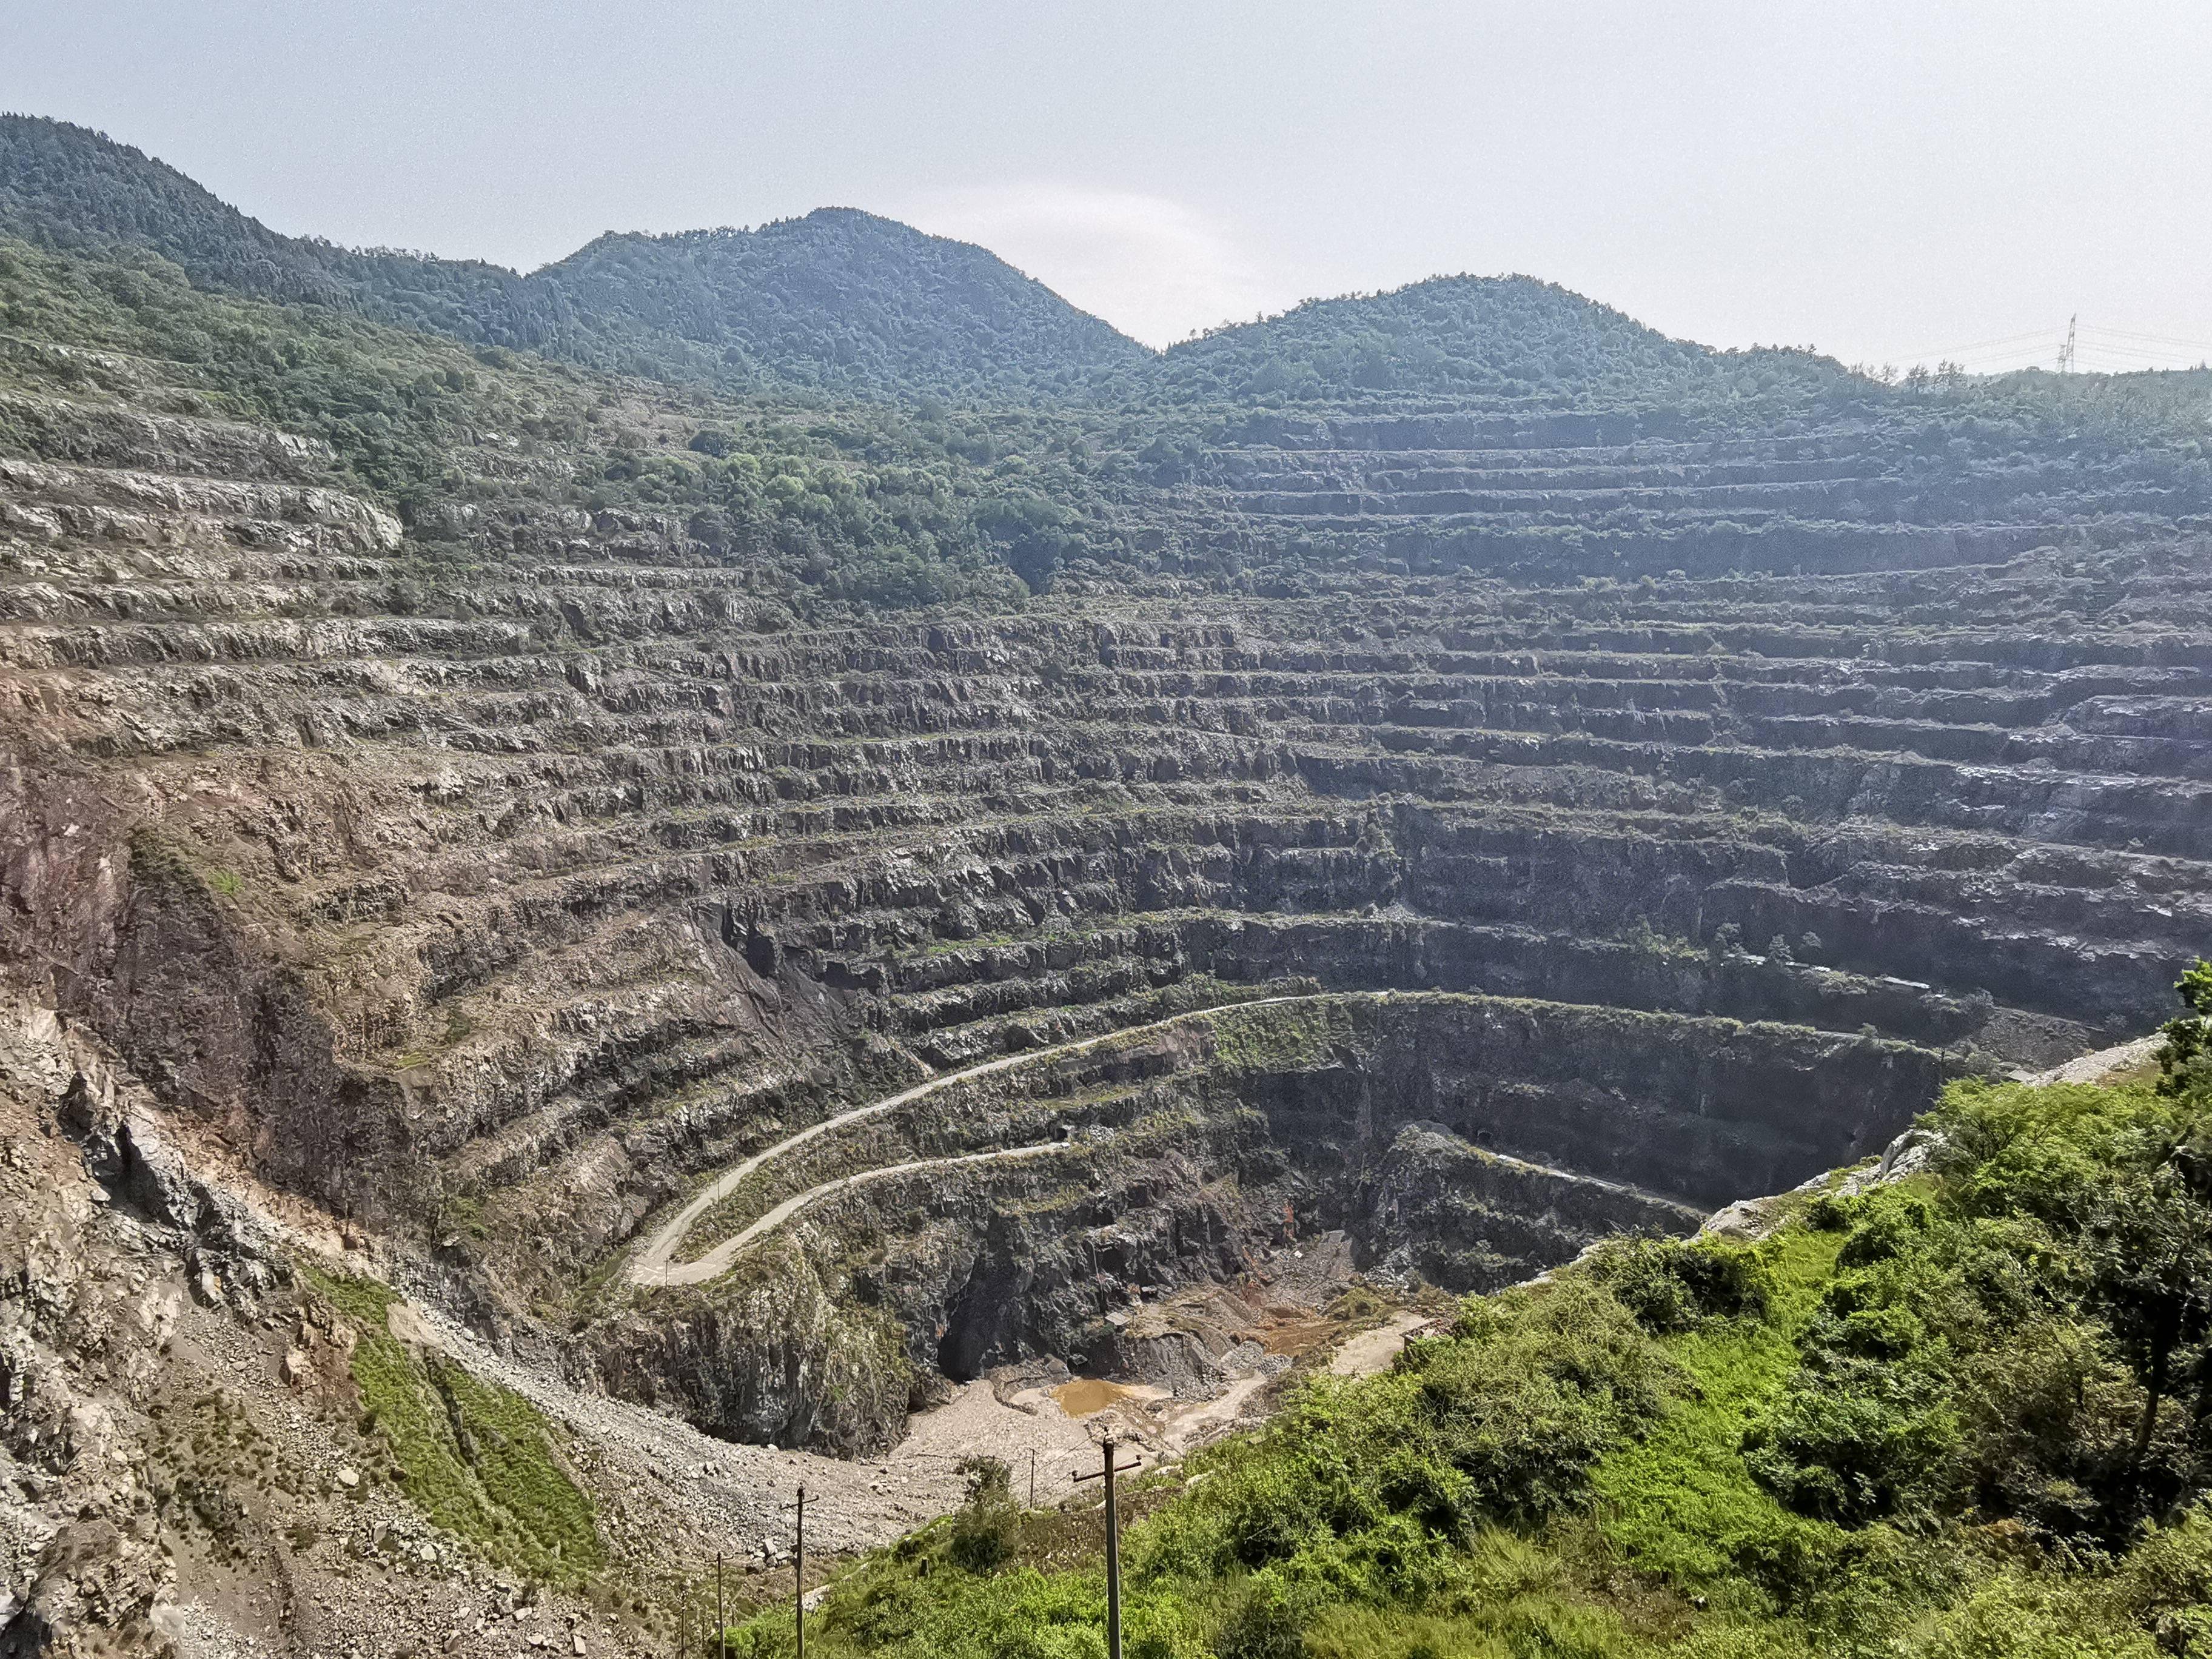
[477, 1459]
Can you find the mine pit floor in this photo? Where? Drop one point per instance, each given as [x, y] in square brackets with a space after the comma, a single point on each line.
[1306, 1310]
[1087, 1394]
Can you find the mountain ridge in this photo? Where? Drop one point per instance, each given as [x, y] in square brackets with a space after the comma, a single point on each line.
[822, 301]
[843, 300]
[1454, 335]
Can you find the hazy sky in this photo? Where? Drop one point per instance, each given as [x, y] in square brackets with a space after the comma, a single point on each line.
[1884, 181]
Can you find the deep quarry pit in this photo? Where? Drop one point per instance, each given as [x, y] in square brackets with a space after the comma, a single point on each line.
[598, 922]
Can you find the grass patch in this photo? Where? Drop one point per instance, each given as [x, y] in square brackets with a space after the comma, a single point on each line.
[477, 1459]
[1281, 1036]
[1679, 1503]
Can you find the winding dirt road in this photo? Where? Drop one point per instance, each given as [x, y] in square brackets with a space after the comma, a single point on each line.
[1369, 1351]
[655, 1265]
[719, 1259]
[2097, 1066]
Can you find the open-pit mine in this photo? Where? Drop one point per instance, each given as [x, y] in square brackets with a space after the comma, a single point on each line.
[734, 923]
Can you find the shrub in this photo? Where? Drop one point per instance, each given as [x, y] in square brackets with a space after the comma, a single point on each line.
[1891, 1223]
[987, 1528]
[1674, 1285]
[2167, 1584]
[1856, 1441]
[1547, 1383]
[1268, 1621]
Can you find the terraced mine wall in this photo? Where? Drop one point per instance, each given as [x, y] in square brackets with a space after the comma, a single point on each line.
[498, 892]
[1476, 1141]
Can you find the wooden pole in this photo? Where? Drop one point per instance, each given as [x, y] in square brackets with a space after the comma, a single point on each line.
[798, 1576]
[1113, 1545]
[1113, 1562]
[722, 1617]
[1032, 1477]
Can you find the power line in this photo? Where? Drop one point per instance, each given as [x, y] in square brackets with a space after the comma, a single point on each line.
[2082, 346]
[2019, 357]
[2154, 339]
[1979, 345]
[2124, 349]
[2157, 359]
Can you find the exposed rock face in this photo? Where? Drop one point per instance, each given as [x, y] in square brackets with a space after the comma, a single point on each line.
[773, 1357]
[495, 904]
[1173, 1155]
[189, 1456]
[1441, 1208]
[113, 1253]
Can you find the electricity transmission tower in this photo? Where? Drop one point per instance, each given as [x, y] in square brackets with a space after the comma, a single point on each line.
[2066, 351]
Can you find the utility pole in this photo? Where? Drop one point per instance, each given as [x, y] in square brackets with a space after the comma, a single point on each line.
[799, 1576]
[721, 1619]
[1032, 1477]
[1113, 1545]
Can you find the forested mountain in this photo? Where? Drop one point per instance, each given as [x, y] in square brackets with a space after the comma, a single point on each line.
[838, 300]
[1458, 336]
[845, 302]
[1499, 423]
[65, 187]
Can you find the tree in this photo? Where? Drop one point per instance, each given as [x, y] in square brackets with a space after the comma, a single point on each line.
[2149, 1253]
[1030, 535]
[2185, 1063]
[989, 1525]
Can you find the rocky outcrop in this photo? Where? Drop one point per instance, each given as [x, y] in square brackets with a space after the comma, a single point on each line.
[773, 1354]
[1439, 1208]
[110, 1244]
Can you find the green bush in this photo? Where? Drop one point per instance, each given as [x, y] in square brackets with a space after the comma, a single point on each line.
[2032, 1339]
[1673, 1284]
[1856, 1441]
[1370, 1486]
[1537, 1389]
[985, 1529]
[1268, 1621]
[2166, 1585]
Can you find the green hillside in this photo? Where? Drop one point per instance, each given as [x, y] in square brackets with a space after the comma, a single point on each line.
[827, 505]
[837, 300]
[1454, 337]
[65, 187]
